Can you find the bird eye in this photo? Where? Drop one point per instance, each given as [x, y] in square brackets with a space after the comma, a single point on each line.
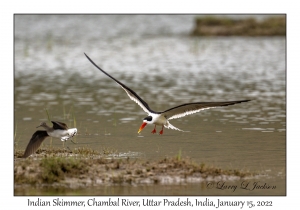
[149, 118]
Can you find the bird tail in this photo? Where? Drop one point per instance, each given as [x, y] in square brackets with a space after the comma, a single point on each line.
[170, 126]
[71, 132]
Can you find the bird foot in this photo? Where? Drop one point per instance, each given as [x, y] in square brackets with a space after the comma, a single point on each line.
[161, 132]
[154, 131]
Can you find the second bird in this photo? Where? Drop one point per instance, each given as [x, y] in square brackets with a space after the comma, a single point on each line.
[59, 130]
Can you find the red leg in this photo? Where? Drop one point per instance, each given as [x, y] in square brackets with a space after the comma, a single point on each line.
[154, 130]
[162, 130]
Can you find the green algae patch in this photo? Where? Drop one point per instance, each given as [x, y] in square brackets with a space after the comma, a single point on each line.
[223, 26]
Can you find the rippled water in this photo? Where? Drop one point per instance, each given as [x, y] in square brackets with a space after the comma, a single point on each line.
[155, 56]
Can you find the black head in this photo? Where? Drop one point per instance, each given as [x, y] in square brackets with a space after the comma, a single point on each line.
[149, 118]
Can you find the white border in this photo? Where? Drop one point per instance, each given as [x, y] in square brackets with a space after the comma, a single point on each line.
[8, 8]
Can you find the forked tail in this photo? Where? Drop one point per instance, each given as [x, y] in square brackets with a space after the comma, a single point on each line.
[170, 126]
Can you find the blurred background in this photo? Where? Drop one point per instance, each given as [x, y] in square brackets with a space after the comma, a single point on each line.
[168, 60]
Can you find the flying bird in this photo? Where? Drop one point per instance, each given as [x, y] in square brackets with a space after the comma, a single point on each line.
[59, 130]
[162, 118]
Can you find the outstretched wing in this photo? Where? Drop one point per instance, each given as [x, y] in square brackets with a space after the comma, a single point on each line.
[191, 108]
[35, 142]
[132, 95]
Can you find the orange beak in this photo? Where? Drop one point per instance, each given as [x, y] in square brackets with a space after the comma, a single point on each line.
[142, 126]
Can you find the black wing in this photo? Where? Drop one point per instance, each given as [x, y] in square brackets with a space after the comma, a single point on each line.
[35, 142]
[191, 108]
[132, 95]
[59, 125]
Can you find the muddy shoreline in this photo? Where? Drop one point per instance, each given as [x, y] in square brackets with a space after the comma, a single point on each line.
[87, 168]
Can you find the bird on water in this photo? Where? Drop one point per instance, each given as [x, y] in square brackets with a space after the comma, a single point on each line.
[59, 130]
[162, 118]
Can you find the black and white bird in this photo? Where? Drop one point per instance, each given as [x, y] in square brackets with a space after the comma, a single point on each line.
[59, 130]
[162, 118]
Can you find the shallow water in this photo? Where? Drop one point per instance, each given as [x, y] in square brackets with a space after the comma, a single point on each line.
[155, 56]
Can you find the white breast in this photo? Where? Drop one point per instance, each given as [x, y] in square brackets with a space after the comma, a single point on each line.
[159, 119]
[58, 133]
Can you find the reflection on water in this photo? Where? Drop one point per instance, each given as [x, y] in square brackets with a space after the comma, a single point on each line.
[166, 67]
